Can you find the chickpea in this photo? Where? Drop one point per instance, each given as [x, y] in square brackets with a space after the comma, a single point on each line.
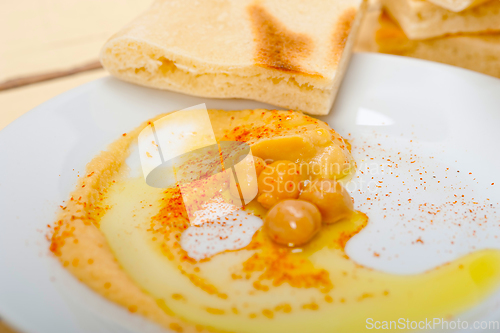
[292, 222]
[278, 181]
[332, 200]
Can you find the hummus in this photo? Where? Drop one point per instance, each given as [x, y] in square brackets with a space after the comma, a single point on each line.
[122, 238]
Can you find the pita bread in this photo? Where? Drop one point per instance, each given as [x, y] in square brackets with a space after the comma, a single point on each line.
[289, 53]
[480, 53]
[421, 19]
[457, 5]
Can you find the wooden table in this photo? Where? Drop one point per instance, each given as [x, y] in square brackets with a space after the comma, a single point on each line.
[51, 35]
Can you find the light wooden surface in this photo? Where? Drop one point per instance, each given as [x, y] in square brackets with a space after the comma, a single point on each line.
[39, 36]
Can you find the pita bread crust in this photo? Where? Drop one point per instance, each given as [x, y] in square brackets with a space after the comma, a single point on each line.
[480, 53]
[288, 53]
[421, 19]
[458, 5]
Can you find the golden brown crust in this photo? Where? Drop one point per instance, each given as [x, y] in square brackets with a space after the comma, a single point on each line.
[341, 33]
[477, 52]
[422, 20]
[277, 46]
[274, 51]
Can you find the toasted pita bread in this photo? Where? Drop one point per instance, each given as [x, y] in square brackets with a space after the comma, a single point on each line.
[457, 5]
[480, 53]
[421, 19]
[290, 53]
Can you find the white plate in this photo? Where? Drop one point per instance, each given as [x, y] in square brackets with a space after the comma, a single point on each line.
[450, 114]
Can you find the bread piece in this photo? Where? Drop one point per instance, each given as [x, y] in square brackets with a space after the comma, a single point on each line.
[421, 19]
[480, 53]
[290, 53]
[365, 39]
[457, 5]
